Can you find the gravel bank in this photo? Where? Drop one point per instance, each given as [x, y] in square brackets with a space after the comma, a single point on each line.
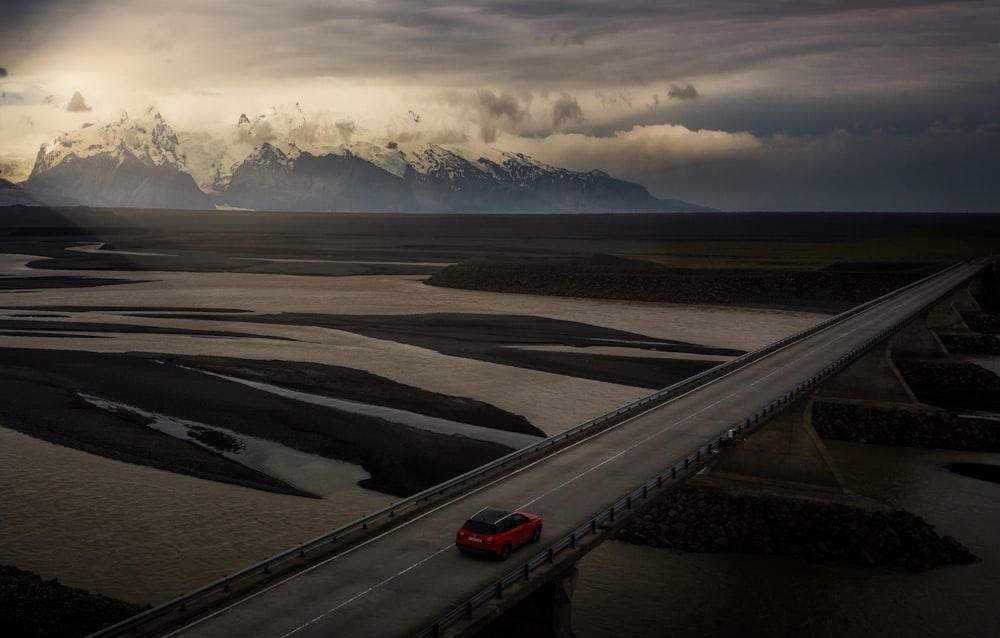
[898, 426]
[606, 277]
[31, 606]
[701, 519]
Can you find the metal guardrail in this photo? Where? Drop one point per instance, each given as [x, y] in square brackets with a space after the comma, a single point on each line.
[299, 551]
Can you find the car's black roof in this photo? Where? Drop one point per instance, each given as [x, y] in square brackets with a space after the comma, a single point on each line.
[490, 515]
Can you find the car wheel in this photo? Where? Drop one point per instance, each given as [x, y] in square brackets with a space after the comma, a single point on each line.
[536, 534]
[505, 552]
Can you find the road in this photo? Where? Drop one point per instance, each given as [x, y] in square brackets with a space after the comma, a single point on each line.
[401, 581]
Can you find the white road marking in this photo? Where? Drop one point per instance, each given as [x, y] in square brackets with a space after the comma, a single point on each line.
[372, 588]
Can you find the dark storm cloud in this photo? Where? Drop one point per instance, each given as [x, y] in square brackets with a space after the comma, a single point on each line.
[23, 22]
[683, 92]
[566, 109]
[579, 45]
[498, 105]
[492, 111]
[854, 173]
[952, 170]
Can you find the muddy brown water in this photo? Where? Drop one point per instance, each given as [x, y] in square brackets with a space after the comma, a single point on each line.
[641, 592]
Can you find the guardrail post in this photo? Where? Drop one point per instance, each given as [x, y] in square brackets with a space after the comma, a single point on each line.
[628, 501]
[468, 610]
[572, 540]
[612, 512]
[499, 589]
[527, 570]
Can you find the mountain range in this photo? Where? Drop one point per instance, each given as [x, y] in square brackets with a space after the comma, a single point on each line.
[143, 163]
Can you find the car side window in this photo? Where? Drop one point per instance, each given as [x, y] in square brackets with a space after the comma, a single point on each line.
[519, 520]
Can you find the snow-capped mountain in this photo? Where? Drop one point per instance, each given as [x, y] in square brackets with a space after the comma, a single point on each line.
[143, 162]
[272, 179]
[130, 162]
[148, 139]
[424, 177]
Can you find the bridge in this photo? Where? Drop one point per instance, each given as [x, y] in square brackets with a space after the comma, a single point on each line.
[397, 572]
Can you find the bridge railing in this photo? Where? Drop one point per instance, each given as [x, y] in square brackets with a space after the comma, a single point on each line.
[299, 551]
[680, 467]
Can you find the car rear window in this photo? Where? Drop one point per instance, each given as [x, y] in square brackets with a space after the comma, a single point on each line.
[478, 527]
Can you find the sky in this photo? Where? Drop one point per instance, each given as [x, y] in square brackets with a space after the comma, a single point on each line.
[763, 105]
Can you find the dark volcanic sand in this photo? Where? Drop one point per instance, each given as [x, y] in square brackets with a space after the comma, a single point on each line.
[42, 388]
[831, 291]
[508, 339]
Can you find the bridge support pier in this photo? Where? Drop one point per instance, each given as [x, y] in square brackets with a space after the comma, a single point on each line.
[545, 612]
[874, 376]
[947, 315]
[786, 451]
[917, 339]
[562, 602]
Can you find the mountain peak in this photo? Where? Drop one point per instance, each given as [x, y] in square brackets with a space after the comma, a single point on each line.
[150, 140]
[268, 153]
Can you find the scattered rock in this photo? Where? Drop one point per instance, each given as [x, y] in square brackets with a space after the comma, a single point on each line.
[947, 375]
[896, 426]
[971, 344]
[699, 519]
[605, 277]
[32, 607]
[983, 322]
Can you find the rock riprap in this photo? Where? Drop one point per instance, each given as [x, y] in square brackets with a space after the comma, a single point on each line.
[700, 519]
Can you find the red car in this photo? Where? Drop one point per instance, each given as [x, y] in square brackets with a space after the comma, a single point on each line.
[497, 532]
